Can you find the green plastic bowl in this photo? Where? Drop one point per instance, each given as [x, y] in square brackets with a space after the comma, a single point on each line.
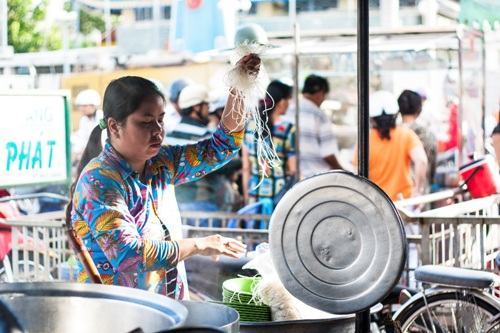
[243, 285]
[251, 312]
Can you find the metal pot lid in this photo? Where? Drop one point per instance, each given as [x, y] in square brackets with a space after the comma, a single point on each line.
[337, 242]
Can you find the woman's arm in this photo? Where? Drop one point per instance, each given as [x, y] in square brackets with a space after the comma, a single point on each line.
[191, 162]
[419, 160]
[245, 175]
[214, 245]
[291, 165]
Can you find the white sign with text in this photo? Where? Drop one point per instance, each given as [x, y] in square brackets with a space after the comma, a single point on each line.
[33, 139]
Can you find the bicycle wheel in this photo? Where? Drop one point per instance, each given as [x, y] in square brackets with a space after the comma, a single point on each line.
[450, 312]
[494, 325]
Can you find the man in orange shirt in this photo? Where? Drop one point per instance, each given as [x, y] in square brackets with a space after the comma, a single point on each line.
[393, 150]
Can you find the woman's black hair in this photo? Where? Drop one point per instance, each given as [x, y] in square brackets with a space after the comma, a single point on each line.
[383, 124]
[496, 130]
[410, 103]
[276, 92]
[122, 97]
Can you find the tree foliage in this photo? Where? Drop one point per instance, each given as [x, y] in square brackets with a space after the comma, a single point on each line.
[23, 18]
[90, 21]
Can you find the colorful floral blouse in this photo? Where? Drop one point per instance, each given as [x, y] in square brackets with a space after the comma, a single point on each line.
[129, 227]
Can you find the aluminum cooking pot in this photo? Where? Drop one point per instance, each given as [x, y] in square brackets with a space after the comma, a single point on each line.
[204, 314]
[65, 307]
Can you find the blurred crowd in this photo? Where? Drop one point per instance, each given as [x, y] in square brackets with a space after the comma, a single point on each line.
[404, 152]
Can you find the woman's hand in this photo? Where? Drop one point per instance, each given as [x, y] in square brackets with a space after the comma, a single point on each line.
[216, 245]
[250, 64]
[247, 69]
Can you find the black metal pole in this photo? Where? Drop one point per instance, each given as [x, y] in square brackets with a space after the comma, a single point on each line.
[363, 317]
[363, 77]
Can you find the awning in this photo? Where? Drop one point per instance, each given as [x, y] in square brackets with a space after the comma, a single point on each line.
[479, 11]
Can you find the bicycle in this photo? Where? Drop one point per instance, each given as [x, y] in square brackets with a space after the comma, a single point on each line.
[457, 301]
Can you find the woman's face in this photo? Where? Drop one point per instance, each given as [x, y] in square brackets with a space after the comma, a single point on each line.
[139, 138]
[282, 106]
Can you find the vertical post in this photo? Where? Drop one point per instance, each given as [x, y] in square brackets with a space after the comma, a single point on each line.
[389, 13]
[65, 42]
[296, 96]
[292, 14]
[292, 11]
[15, 253]
[107, 22]
[483, 93]
[172, 25]
[4, 25]
[424, 242]
[456, 243]
[482, 234]
[363, 83]
[460, 99]
[363, 317]
[156, 25]
[76, 8]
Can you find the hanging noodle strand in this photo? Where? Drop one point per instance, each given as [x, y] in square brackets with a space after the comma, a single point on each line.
[251, 87]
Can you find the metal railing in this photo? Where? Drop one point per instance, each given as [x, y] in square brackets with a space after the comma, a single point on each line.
[199, 224]
[466, 234]
[41, 252]
[39, 248]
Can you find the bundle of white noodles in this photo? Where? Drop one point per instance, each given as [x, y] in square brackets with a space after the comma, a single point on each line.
[252, 86]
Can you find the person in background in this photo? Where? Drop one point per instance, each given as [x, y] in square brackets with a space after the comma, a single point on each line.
[282, 134]
[123, 206]
[318, 143]
[410, 107]
[87, 102]
[393, 150]
[495, 137]
[196, 195]
[173, 109]
[227, 190]
[216, 109]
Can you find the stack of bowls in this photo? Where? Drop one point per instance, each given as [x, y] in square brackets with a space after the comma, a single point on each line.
[237, 293]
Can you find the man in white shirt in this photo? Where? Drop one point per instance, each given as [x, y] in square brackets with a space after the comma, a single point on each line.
[318, 144]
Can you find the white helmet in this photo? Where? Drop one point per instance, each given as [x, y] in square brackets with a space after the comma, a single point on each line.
[383, 102]
[250, 34]
[88, 97]
[192, 95]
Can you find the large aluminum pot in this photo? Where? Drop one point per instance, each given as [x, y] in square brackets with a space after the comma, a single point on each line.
[204, 314]
[336, 324]
[332, 325]
[75, 307]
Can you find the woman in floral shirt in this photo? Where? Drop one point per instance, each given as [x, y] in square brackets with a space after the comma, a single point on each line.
[123, 205]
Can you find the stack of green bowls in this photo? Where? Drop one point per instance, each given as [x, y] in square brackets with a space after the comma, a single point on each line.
[237, 293]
